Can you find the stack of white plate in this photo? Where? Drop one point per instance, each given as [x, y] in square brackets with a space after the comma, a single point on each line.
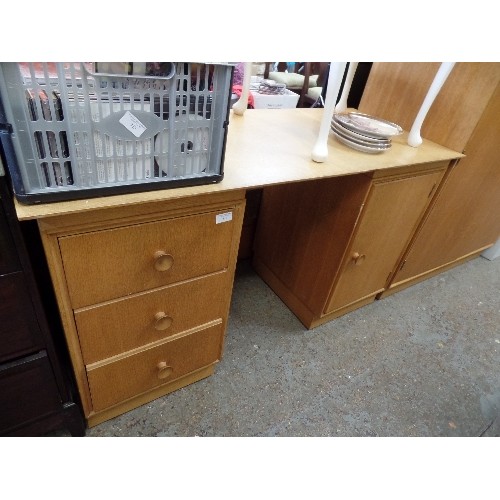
[364, 132]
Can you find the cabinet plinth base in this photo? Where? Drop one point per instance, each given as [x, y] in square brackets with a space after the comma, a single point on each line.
[396, 287]
[306, 317]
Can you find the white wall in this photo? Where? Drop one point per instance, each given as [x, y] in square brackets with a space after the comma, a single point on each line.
[492, 252]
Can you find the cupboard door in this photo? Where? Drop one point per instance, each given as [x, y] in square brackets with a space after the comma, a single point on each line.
[392, 211]
[465, 218]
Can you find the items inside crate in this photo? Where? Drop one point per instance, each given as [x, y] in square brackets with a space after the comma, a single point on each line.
[82, 125]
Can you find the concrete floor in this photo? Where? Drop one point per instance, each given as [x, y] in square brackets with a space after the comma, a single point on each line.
[423, 362]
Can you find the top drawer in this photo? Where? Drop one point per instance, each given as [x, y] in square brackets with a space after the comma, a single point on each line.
[113, 263]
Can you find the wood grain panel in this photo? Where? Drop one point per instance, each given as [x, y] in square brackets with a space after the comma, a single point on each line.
[395, 91]
[303, 230]
[390, 216]
[133, 375]
[108, 264]
[465, 217]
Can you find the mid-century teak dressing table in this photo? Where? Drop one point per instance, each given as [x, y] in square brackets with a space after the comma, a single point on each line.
[143, 281]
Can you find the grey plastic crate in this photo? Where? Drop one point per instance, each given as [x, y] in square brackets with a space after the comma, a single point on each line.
[78, 131]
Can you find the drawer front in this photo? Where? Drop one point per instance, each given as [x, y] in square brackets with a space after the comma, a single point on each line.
[127, 377]
[119, 326]
[19, 330]
[113, 263]
[27, 391]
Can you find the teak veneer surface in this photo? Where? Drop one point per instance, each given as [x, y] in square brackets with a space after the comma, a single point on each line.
[118, 236]
[309, 235]
[266, 147]
[101, 261]
[395, 91]
[466, 216]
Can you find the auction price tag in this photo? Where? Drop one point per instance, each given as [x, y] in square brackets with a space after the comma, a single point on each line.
[225, 217]
[132, 124]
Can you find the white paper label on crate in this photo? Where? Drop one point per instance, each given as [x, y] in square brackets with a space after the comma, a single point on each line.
[133, 124]
[225, 217]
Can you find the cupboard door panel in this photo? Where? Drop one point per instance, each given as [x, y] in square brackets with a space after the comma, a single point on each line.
[391, 214]
[466, 215]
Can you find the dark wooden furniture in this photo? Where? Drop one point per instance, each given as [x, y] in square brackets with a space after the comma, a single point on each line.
[35, 397]
[298, 81]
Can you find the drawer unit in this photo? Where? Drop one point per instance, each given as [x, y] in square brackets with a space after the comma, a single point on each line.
[144, 294]
[133, 374]
[36, 392]
[108, 329]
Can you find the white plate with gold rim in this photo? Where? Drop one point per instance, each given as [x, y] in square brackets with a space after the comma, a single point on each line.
[359, 147]
[368, 125]
[360, 138]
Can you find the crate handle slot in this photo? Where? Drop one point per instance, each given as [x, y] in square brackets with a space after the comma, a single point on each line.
[169, 76]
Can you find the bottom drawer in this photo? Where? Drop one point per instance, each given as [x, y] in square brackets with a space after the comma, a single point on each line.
[28, 391]
[140, 372]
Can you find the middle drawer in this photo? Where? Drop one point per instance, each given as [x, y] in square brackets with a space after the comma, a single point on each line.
[124, 324]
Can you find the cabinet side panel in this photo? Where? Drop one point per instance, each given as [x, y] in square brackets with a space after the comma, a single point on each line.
[303, 230]
[395, 91]
[51, 248]
[465, 217]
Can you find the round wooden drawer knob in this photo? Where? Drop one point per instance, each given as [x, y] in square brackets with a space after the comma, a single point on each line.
[162, 321]
[358, 258]
[164, 371]
[163, 261]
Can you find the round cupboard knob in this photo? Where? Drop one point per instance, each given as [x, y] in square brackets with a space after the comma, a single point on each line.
[164, 371]
[163, 261]
[358, 258]
[162, 321]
